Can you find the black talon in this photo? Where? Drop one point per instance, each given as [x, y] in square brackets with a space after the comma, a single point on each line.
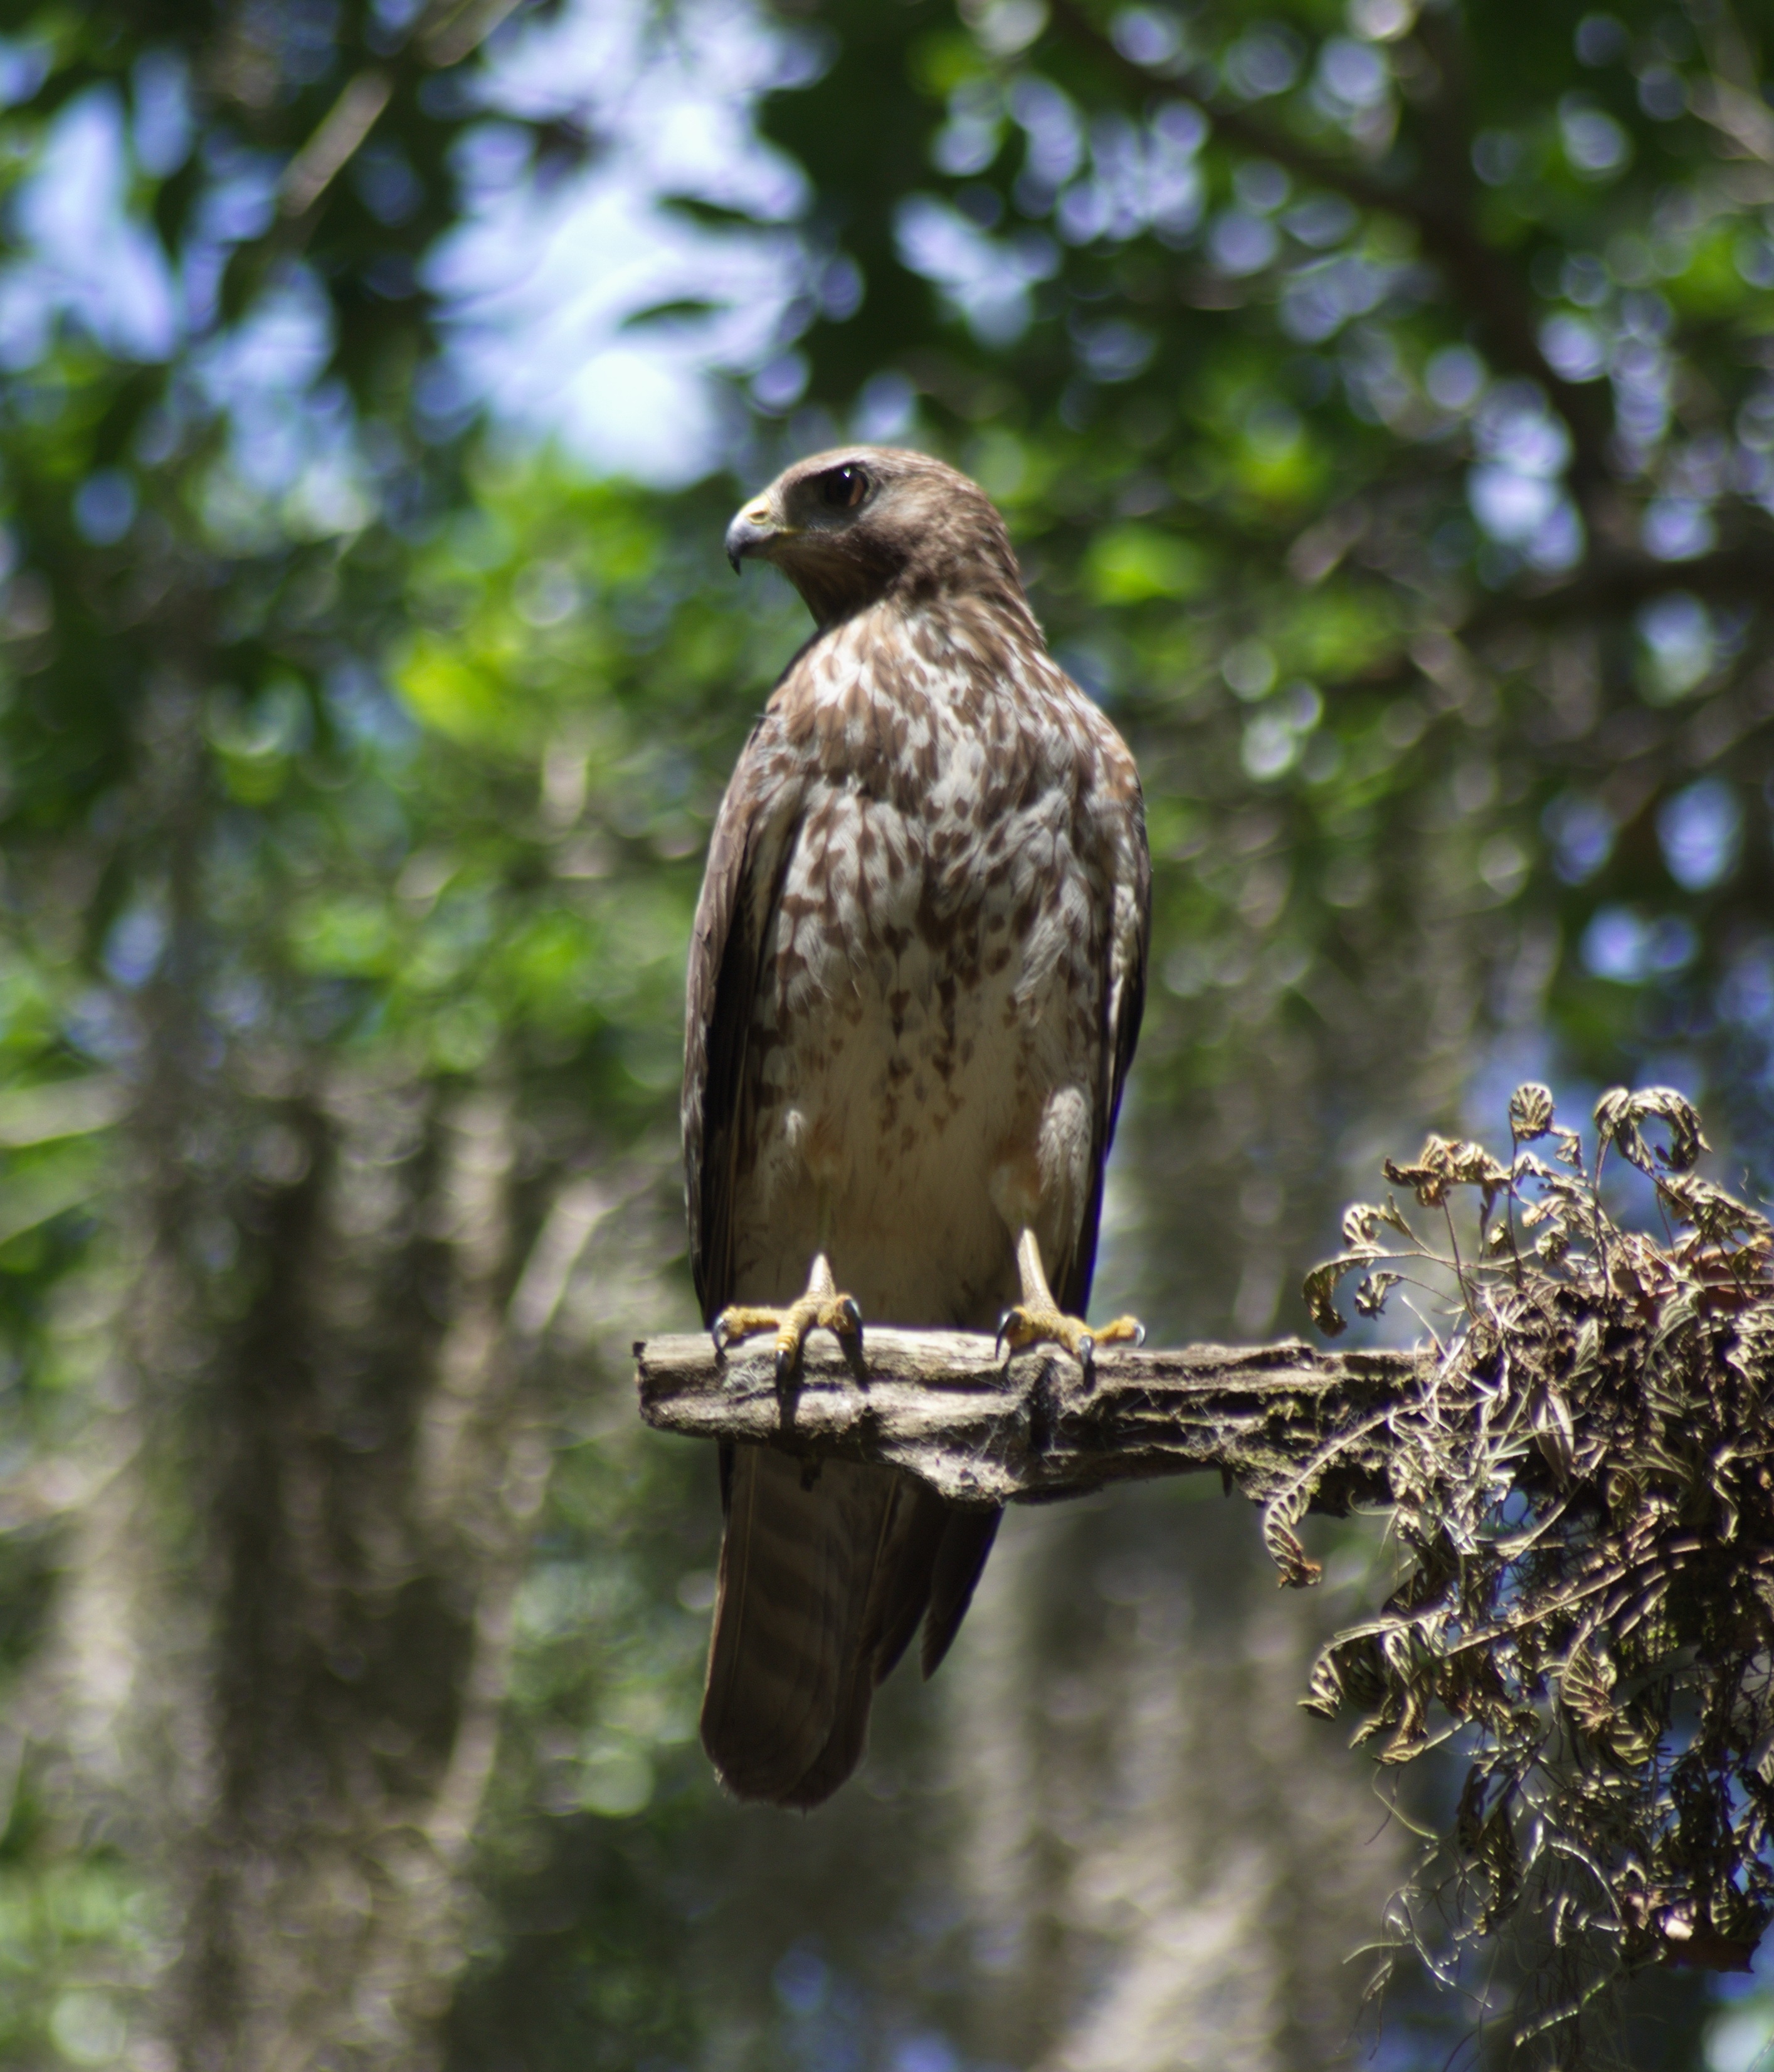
[1139, 1336]
[852, 1319]
[1003, 1327]
[786, 1364]
[1086, 1353]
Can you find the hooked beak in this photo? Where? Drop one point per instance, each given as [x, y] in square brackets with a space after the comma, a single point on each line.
[751, 532]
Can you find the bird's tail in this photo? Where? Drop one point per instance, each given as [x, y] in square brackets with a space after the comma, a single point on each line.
[825, 1571]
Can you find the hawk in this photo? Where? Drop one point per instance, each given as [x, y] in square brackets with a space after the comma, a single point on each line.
[914, 984]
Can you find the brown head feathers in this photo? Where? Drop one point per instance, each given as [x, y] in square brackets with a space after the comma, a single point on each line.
[858, 524]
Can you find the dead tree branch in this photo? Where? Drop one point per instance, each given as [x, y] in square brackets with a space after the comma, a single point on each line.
[983, 1429]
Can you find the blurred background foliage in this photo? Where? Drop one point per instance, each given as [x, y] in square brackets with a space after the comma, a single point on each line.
[1382, 400]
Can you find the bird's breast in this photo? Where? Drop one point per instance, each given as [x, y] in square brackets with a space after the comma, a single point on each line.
[929, 980]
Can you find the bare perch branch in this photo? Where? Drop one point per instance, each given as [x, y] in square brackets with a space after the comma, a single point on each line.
[985, 1430]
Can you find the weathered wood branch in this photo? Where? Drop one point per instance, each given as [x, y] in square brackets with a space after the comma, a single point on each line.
[982, 1429]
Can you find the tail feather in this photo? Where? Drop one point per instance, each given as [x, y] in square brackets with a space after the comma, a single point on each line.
[967, 1533]
[822, 1588]
[786, 1612]
[899, 1588]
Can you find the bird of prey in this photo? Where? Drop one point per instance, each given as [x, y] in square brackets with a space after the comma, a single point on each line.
[914, 984]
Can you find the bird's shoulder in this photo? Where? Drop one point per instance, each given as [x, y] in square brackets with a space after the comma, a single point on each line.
[886, 679]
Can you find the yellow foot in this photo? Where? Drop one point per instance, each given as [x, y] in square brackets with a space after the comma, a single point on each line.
[1033, 1324]
[827, 1311]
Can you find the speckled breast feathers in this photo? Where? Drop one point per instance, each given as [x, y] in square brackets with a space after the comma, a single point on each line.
[934, 897]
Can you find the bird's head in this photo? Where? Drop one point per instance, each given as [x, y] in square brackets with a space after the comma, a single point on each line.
[852, 526]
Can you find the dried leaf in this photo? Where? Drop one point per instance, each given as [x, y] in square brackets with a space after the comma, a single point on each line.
[1363, 1663]
[1370, 1296]
[1619, 1115]
[1319, 1289]
[1407, 1742]
[1469, 1817]
[1586, 1688]
[1628, 1745]
[1587, 1356]
[1429, 1177]
[1432, 1174]
[1530, 1112]
[1679, 1314]
[1553, 1431]
[1611, 1111]
[1324, 1688]
[1710, 1211]
[1750, 1351]
[1498, 1850]
[1360, 1223]
[1443, 1162]
[1298, 1571]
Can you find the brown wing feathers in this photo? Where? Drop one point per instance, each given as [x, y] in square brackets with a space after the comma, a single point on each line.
[724, 948]
[1072, 1291]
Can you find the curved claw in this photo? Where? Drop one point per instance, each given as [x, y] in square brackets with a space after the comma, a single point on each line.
[1087, 1347]
[1003, 1333]
[852, 1319]
[718, 1332]
[1139, 1336]
[786, 1358]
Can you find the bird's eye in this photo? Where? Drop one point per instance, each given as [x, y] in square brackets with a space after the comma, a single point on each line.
[847, 486]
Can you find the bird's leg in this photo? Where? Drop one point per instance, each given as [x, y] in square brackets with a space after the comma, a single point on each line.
[1037, 1320]
[820, 1308]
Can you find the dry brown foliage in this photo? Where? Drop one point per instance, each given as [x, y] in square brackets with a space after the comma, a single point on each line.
[1584, 1500]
